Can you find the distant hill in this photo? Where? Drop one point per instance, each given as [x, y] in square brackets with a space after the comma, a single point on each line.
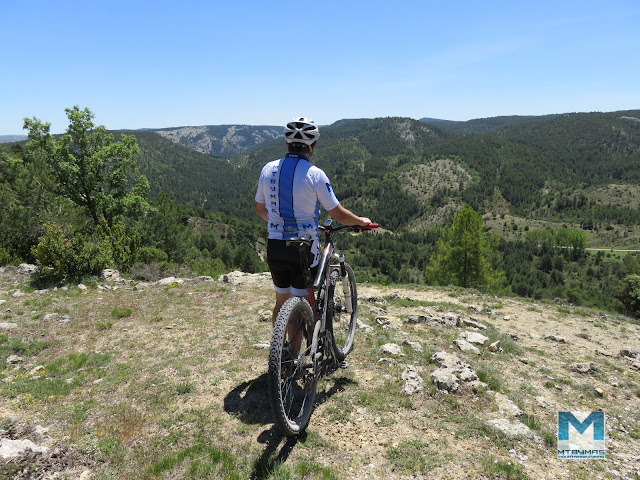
[483, 125]
[222, 140]
[12, 138]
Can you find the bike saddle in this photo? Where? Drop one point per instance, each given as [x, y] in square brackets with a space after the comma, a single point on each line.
[304, 241]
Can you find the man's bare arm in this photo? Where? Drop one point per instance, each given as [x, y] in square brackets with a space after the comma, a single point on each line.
[261, 210]
[345, 217]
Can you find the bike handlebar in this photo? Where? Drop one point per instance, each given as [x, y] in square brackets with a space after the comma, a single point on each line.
[355, 228]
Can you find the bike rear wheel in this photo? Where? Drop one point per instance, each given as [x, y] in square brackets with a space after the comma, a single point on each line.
[293, 369]
[341, 321]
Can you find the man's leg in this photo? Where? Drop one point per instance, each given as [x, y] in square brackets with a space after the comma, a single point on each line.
[280, 299]
[291, 328]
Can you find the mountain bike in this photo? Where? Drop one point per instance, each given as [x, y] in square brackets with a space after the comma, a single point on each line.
[310, 336]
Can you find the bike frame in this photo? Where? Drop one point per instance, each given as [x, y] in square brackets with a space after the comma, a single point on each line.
[319, 302]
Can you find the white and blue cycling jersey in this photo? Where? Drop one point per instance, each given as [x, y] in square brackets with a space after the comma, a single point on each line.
[293, 189]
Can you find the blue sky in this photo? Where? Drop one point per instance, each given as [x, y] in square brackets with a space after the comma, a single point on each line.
[143, 64]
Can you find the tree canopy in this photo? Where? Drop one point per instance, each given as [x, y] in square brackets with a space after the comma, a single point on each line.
[90, 167]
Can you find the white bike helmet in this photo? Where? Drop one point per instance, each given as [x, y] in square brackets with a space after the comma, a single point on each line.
[301, 130]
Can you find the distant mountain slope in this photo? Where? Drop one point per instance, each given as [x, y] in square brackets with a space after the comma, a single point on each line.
[483, 125]
[12, 138]
[222, 140]
[407, 173]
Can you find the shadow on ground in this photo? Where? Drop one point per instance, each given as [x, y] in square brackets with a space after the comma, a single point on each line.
[249, 403]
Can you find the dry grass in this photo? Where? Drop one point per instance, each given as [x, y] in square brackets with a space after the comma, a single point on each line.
[167, 382]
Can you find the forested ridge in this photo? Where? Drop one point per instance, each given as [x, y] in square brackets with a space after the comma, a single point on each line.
[573, 172]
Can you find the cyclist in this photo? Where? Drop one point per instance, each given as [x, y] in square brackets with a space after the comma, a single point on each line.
[290, 192]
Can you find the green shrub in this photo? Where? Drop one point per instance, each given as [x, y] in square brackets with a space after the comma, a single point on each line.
[151, 255]
[5, 257]
[121, 312]
[54, 254]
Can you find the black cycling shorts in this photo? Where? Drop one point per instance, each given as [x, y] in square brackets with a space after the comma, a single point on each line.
[286, 267]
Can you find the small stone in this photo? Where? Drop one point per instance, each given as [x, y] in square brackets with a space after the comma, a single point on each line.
[14, 448]
[495, 346]
[475, 337]
[507, 318]
[392, 349]
[34, 370]
[471, 322]
[82, 286]
[599, 392]
[27, 268]
[265, 315]
[262, 346]
[629, 351]
[169, 281]
[512, 429]
[604, 353]
[368, 329]
[14, 359]
[110, 273]
[506, 406]
[8, 325]
[584, 367]
[465, 346]
[415, 346]
[413, 382]
[445, 360]
[17, 294]
[445, 379]
[556, 338]
[85, 475]
[467, 375]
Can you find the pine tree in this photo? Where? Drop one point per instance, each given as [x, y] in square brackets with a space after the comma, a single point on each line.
[465, 256]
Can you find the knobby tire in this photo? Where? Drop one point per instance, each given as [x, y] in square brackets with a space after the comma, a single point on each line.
[341, 323]
[292, 381]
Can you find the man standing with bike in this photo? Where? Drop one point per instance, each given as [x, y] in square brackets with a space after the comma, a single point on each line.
[290, 192]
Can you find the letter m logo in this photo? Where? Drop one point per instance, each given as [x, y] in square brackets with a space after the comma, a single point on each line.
[568, 418]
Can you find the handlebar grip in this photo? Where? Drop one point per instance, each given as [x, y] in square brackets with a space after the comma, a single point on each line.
[371, 226]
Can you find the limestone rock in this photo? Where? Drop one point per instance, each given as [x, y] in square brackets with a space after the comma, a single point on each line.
[506, 406]
[415, 346]
[629, 351]
[555, 338]
[26, 269]
[169, 281]
[465, 346]
[445, 359]
[451, 372]
[14, 448]
[475, 337]
[413, 382]
[110, 274]
[368, 329]
[583, 367]
[8, 325]
[512, 429]
[392, 349]
[471, 322]
[14, 360]
[445, 379]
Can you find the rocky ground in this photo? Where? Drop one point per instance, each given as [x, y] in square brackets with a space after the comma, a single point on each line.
[119, 379]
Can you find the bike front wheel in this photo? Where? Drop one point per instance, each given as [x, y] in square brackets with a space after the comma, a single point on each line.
[292, 367]
[342, 309]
